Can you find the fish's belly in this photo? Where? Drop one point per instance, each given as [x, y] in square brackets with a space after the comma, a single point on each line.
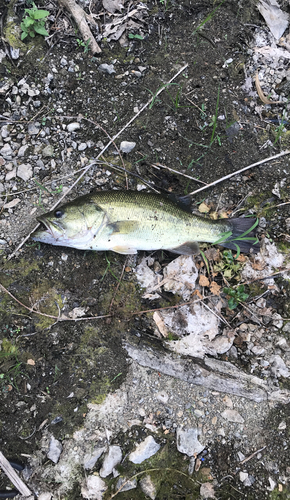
[143, 239]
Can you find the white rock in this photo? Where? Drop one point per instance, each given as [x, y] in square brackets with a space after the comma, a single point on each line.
[91, 458]
[187, 441]
[45, 496]
[232, 416]
[82, 146]
[106, 68]
[10, 175]
[25, 171]
[73, 126]
[127, 147]
[144, 450]
[258, 350]
[4, 131]
[272, 484]
[148, 487]
[6, 151]
[130, 485]
[207, 490]
[55, 449]
[278, 368]
[22, 149]
[243, 476]
[277, 320]
[286, 327]
[93, 488]
[112, 458]
[162, 397]
[181, 275]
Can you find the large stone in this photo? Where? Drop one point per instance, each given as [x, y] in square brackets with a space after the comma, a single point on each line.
[187, 441]
[55, 449]
[25, 171]
[112, 458]
[144, 450]
[93, 488]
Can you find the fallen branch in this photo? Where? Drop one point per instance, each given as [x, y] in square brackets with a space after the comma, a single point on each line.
[287, 152]
[13, 476]
[80, 18]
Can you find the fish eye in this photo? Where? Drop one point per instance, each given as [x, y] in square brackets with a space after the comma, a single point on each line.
[58, 214]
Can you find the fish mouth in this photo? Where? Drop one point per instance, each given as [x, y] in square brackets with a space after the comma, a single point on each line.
[48, 227]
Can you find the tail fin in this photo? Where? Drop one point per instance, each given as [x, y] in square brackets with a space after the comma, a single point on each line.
[241, 236]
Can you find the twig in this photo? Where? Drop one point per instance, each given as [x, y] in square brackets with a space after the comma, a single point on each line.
[253, 454]
[153, 470]
[100, 154]
[262, 95]
[287, 152]
[80, 18]
[221, 318]
[13, 476]
[158, 166]
[61, 318]
[88, 318]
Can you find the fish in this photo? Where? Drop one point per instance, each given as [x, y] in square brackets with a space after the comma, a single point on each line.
[128, 221]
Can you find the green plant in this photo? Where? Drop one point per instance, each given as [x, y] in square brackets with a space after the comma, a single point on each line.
[236, 296]
[280, 129]
[81, 43]
[165, 4]
[228, 266]
[108, 268]
[136, 37]
[208, 18]
[34, 22]
[242, 237]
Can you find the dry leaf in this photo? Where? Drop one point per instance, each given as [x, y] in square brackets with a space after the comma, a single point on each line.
[242, 258]
[203, 280]
[12, 204]
[31, 362]
[197, 292]
[203, 208]
[258, 266]
[160, 324]
[212, 253]
[215, 288]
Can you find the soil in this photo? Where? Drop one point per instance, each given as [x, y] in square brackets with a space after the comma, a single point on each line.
[52, 373]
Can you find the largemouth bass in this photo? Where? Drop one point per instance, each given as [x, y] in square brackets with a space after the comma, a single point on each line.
[128, 221]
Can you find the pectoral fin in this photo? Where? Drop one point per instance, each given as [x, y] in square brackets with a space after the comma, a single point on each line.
[188, 248]
[123, 227]
[124, 250]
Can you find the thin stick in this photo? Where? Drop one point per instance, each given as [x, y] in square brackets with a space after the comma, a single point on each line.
[223, 320]
[158, 166]
[287, 152]
[58, 318]
[13, 476]
[100, 154]
[253, 454]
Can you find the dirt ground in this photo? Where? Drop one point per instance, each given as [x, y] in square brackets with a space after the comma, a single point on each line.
[78, 379]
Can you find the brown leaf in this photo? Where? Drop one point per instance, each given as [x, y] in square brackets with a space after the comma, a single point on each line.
[203, 280]
[197, 292]
[215, 288]
[258, 266]
[242, 258]
[203, 208]
[212, 253]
